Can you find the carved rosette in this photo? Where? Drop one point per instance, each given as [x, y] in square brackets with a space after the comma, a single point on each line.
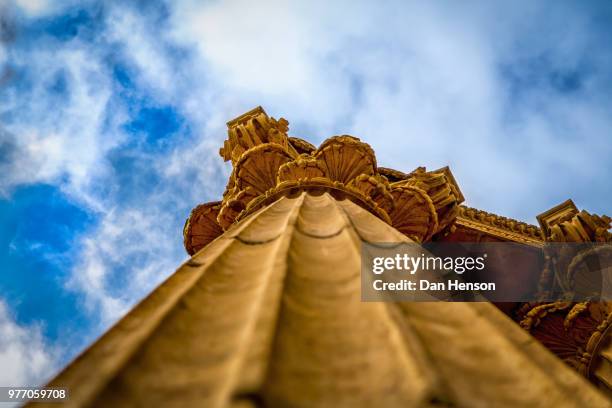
[269, 164]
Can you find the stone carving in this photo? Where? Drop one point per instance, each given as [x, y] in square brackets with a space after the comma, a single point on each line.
[201, 227]
[268, 164]
[574, 331]
[252, 129]
[503, 227]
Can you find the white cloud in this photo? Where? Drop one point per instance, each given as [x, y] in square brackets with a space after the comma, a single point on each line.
[53, 136]
[67, 141]
[422, 83]
[25, 358]
[140, 244]
[130, 247]
[34, 8]
[141, 44]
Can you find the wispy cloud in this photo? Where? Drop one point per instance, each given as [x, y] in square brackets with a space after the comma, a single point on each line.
[25, 357]
[58, 120]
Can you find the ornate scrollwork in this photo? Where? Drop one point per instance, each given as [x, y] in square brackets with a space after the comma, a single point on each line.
[564, 224]
[269, 164]
[440, 187]
[572, 330]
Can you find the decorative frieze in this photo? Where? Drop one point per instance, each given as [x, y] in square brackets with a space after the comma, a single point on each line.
[505, 228]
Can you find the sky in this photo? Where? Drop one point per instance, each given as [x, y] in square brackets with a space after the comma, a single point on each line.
[112, 114]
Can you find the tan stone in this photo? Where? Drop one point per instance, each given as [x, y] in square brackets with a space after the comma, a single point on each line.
[271, 311]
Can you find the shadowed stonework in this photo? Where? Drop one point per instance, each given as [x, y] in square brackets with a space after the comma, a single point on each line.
[268, 311]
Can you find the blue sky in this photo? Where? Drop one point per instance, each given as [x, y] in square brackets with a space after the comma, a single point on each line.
[112, 113]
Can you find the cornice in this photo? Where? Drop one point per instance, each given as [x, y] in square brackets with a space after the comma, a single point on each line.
[498, 226]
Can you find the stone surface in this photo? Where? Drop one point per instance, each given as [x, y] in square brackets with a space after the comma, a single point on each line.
[269, 314]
